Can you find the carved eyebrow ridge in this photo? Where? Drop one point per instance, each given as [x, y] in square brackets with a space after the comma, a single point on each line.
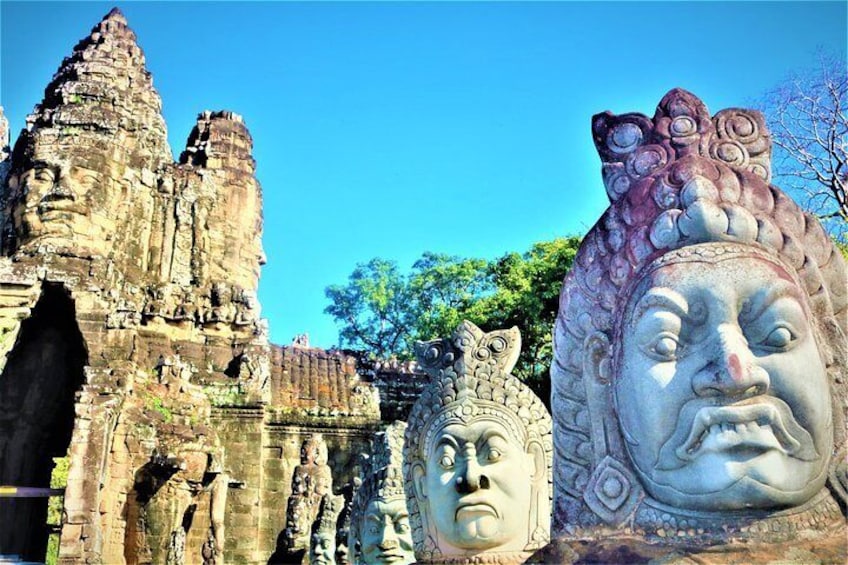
[488, 435]
[447, 439]
[755, 306]
[664, 298]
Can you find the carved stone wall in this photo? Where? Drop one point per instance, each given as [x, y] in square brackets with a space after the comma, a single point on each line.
[322, 383]
[345, 440]
[400, 384]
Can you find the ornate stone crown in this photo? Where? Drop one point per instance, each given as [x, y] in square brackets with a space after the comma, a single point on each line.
[328, 515]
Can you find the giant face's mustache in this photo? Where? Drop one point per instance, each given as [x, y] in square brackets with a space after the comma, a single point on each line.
[763, 422]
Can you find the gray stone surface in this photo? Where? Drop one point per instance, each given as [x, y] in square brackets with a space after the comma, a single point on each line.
[311, 480]
[322, 542]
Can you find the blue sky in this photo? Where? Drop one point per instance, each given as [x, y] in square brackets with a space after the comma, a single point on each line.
[390, 129]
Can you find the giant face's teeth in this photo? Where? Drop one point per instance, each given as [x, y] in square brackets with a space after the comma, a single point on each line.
[697, 445]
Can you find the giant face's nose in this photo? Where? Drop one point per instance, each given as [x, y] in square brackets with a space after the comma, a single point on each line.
[471, 477]
[732, 369]
[62, 188]
[388, 537]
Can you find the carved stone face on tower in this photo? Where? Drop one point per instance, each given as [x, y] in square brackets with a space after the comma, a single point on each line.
[476, 457]
[700, 360]
[83, 171]
[70, 203]
[722, 394]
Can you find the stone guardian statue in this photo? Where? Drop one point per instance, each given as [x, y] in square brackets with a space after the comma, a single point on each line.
[322, 543]
[477, 453]
[380, 531]
[311, 480]
[700, 353]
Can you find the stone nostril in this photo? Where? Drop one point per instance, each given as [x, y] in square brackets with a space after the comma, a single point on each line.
[484, 481]
[466, 484]
[711, 391]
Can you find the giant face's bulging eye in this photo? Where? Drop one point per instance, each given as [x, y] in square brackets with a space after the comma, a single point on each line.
[779, 327]
[446, 462]
[664, 347]
[43, 174]
[88, 180]
[779, 338]
[444, 455]
[402, 526]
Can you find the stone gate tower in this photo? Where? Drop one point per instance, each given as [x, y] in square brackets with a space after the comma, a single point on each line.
[131, 345]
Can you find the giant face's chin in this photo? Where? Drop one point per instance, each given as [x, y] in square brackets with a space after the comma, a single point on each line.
[478, 523]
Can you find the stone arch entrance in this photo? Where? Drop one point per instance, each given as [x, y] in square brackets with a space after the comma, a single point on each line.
[37, 390]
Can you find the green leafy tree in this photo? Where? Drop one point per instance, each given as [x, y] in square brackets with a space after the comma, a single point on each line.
[385, 312]
[445, 288]
[374, 308]
[526, 295]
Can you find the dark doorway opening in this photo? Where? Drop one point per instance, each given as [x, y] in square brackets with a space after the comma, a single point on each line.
[37, 393]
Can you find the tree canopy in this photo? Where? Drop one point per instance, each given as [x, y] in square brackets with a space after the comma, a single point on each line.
[384, 311]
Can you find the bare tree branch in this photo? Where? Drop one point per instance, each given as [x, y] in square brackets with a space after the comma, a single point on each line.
[809, 127]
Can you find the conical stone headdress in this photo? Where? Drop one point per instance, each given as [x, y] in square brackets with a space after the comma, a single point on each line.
[103, 91]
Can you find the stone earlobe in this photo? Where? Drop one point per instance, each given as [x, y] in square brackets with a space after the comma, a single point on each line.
[418, 476]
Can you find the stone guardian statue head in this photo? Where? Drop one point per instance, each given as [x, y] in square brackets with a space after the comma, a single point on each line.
[322, 542]
[477, 453]
[700, 354]
[380, 532]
